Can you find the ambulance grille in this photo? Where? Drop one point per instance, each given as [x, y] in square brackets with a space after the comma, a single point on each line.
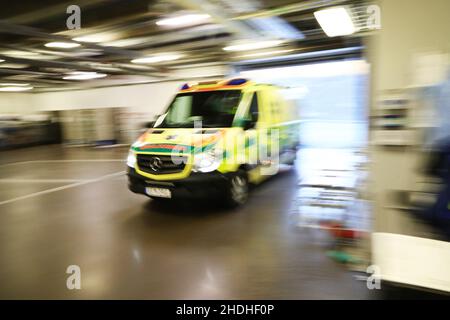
[157, 164]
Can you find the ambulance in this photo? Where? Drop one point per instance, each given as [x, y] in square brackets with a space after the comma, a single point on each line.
[214, 141]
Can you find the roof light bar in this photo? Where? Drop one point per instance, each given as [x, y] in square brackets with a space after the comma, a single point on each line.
[236, 82]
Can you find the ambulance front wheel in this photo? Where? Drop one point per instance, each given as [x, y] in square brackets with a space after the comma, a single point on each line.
[237, 190]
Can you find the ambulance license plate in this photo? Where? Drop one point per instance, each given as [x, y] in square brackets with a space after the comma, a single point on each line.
[158, 192]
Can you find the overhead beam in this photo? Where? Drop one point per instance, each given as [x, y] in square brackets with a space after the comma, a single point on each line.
[7, 27]
[46, 12]
[218, 14]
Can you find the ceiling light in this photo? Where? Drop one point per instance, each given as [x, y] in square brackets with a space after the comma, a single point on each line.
[246, 46]
[1, 60]
[78, 75]
[95, 38]
[14, 84]
[335, 21]
[125, 42]
[265, 53]
[104, 67]
[15, 89]
[64, 45]
[28, 55]
[14, 65]
[20, 53]
[187, 19]
[159, 58]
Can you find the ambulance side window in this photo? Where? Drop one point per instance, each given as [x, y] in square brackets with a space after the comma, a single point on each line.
[254, 110]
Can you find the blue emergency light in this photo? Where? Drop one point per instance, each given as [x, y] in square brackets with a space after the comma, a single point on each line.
[236, 82]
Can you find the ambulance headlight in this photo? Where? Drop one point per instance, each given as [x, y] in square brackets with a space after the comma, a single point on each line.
[131, 159]
[207, 161]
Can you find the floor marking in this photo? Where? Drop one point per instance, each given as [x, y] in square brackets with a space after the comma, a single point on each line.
[14, 163]
[72, 185]
[42, 180]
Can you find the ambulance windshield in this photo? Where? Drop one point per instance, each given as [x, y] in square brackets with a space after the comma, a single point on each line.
[210, 109]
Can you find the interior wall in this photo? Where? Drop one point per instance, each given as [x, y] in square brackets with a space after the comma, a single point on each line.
[83, 110]
[408, 27]
[12, 103]
[147, 98]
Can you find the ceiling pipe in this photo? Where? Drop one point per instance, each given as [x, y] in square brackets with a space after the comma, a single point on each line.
[218, 14]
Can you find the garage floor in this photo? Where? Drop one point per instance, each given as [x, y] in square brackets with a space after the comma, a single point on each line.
[71, 206]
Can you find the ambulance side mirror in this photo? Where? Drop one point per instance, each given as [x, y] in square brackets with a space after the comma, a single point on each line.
[150, 124]
[248, 124]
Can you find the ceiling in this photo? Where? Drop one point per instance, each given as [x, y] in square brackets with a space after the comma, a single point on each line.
[120, 31]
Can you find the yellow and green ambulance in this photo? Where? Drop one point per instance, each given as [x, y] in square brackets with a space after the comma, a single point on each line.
[214, 140]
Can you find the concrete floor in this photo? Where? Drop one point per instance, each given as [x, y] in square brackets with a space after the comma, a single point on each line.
[71, 206]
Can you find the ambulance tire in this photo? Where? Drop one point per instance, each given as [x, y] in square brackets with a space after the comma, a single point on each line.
[237, 190]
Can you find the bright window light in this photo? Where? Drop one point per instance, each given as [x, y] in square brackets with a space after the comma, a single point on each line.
[335, 21]
[156, 59]
[84, 75]
[63, 45]
[183, 20]
[316, 70]
[15, 89]
[253, 45]
[1, 60]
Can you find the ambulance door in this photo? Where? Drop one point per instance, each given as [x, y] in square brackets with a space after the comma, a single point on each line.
[268, 132]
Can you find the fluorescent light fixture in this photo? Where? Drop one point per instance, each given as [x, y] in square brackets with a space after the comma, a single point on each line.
[125, 42]
[28, 55]
[1, 60]
[265, 53]
[94, 38]
[63, 45]
[335, 21]
[15, 84]
[15, 89]
[247, 46]
[183, 20]
[14, 65]
[78, 75]
[20, 53]
[157, 58]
